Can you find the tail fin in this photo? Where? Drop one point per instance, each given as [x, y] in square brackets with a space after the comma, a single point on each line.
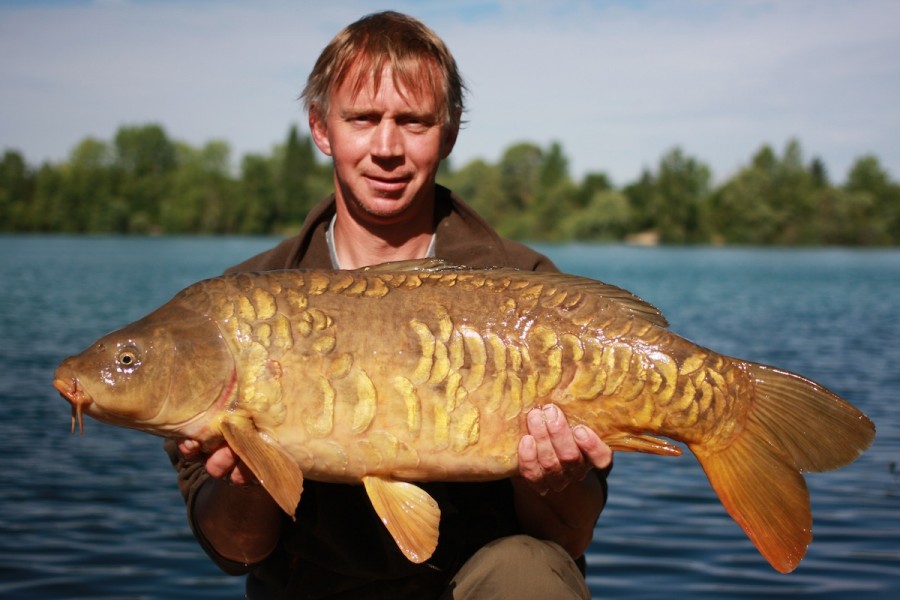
[794, 425]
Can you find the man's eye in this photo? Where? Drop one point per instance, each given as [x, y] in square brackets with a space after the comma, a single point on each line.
[415, 123]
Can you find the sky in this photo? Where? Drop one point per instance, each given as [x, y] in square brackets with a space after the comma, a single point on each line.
[618, 84]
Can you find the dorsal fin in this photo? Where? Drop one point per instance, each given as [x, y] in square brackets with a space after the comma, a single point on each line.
[426, 265]
[620, 298]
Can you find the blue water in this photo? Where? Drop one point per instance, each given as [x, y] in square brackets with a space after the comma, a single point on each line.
[98, 516]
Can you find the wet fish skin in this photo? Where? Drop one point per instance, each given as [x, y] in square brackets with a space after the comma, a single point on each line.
[425, 371]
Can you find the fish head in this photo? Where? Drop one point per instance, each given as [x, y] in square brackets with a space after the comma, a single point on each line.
[162, 374]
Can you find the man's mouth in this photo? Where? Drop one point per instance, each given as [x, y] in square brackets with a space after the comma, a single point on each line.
[388, 185]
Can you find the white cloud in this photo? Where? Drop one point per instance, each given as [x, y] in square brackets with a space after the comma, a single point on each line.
[617, 83]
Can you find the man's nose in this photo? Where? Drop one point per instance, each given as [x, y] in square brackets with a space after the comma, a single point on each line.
[386, 140]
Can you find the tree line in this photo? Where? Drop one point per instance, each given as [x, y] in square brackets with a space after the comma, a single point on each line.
[143, 182]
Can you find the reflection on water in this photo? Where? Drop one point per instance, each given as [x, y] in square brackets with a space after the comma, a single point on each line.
[98, 516]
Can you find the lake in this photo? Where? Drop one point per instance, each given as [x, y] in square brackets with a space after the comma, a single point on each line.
[99, 516]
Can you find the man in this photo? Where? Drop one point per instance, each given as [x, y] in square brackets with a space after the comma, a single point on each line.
[385, 101]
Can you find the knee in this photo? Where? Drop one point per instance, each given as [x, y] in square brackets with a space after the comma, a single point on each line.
[520, 566]
[518, 552]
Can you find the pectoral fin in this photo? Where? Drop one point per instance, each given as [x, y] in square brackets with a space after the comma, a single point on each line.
[411, 516]
[275, 469]
[629, 442]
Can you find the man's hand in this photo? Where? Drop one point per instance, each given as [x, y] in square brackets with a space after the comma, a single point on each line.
[553, 455]
[222, 463]
[554, 498]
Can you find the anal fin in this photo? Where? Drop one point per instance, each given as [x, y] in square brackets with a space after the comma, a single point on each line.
[630, 442]
[276, 470]
[411, 516]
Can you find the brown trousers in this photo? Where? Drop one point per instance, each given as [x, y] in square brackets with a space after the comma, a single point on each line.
[518, 567]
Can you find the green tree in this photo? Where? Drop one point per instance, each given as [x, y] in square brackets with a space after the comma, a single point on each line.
[741, 212]
[683, 188]
[16, 192]
[605, 218]
[146, 160]
[771, 201]
[48, 212]
[296, 180]
[479, 184]
[641, 197]
[257, 196]
[841, 217]
[556, 198]
[819, 173]
[590, 185]
[876, 199]
[89, 188]
[599, 212]
[673, 202]
[794, 198]
[536, 192]
[200, 198]
[520, 171]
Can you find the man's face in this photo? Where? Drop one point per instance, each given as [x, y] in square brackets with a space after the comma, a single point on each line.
[386, 148]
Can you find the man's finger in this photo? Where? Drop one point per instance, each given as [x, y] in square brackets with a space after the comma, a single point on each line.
[189, 449]
[566, 450]
[590, 444]
[221, 462]
[538, 428]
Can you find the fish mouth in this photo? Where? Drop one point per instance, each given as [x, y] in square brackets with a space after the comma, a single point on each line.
[70, 389]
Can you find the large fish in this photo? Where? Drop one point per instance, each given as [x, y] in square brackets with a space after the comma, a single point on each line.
[422, 371]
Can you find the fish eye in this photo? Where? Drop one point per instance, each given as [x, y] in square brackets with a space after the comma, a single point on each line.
[128, 358]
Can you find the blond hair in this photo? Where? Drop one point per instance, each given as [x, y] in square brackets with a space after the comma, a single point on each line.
[420, 62]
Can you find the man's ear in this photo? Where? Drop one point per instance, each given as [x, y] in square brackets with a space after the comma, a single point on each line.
[318, 127]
